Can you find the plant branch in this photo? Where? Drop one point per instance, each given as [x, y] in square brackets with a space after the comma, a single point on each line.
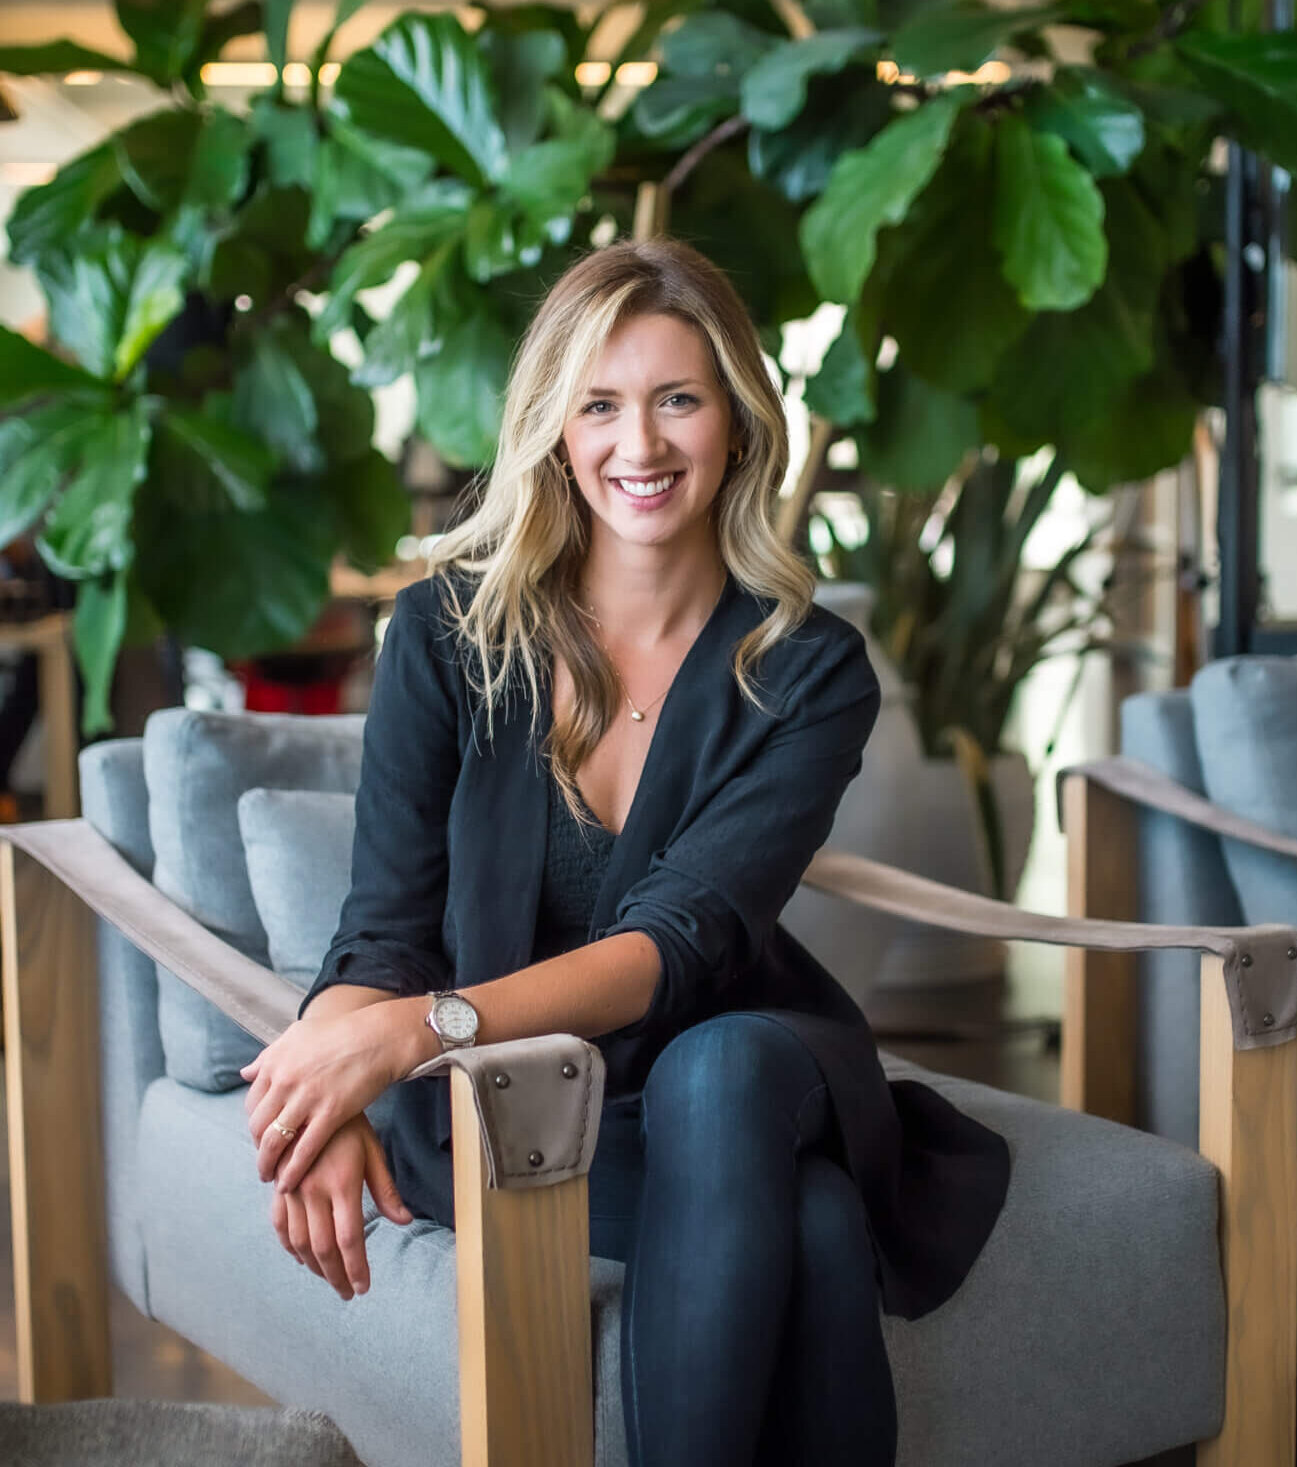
[686, 164]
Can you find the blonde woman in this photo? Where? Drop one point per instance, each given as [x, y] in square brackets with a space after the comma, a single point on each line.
[606, 737]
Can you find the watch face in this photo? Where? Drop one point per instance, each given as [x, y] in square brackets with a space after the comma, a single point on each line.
[456, 1018]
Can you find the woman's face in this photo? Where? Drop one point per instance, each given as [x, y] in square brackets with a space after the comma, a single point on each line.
[651, 436]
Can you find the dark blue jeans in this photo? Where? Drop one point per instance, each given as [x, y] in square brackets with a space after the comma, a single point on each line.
[750, 1329]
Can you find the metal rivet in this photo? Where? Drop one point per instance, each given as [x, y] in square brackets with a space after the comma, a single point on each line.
[502, 1080]
[1246, 960]
[569, 1070]
[1268, 1020]
[535, 1158]
[1292, 954]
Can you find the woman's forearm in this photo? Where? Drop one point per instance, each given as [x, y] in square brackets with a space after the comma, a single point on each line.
[590, 991]
[344, 998]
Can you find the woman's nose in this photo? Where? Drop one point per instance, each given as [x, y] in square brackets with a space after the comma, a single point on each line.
[641, 436]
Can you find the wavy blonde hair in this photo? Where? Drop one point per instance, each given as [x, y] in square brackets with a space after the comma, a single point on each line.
[523, 545]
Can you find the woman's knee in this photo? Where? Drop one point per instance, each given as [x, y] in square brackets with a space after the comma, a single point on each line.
[728, 1063]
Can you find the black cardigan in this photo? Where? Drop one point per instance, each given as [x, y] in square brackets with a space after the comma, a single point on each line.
[732, 804]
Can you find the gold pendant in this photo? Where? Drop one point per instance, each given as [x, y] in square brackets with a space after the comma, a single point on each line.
[637, 716]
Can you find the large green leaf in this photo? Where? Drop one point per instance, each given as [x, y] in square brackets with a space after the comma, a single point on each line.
[244, 18]
[1092, 352]
[49, 215]
[1255, 76]
[290, 139]
[27, 371]
[841, 112]
[461, 391]
[1104, 128]
[166, 34]
[98, 629]
[424, 83]
[843, 389]
[943, 251]
[773, 90]
[372, 508]
[111, 298]
[549, 179]
[413, 327]
[277, 15]
[358, 176]
[239, 463]
[1048, 219]
[871, 187]
[1146, 428]
[219, 167]
[919, 435]
[238, 584]
[155, 154]
[88, 533]
[263, 252]
[273, 401]
[962, 35]
[411, 234]
[56, 57]
[521, 63]
[704, 61]
[37, 453]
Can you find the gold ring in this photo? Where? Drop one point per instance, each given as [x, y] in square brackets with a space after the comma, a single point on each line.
[287, 1132]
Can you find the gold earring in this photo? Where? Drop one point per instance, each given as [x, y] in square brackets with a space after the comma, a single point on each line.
[569, 473]
[736, 458]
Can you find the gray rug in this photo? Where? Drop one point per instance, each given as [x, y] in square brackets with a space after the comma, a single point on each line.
[112, 1433]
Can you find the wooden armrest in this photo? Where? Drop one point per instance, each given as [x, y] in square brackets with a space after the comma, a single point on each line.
[522, 1151]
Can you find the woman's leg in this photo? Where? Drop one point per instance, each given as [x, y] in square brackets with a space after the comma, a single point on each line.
[834, 1403]
[727, 1108]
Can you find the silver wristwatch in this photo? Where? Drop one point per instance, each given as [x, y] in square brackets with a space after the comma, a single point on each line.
[453, 1020]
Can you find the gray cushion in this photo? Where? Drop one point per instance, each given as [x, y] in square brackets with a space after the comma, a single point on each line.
[1181, 879]
[1089, 1333]
[115, 801]
[1245, 712]
[298, 848]
[108, 1433]
[197, 764]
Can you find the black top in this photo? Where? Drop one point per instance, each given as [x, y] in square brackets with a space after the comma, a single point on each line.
[735, 797]
[575, 857]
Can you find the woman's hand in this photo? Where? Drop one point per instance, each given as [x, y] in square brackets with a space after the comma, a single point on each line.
[320, 1222]
[319, 1073]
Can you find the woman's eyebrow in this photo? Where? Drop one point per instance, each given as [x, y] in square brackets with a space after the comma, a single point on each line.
[661, 387]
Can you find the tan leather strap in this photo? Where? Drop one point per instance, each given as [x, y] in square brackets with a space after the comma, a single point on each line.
[1260, 962]
[541, 1109]
[1144, 785]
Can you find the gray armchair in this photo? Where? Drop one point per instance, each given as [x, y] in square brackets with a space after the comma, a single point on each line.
[1094, 1330]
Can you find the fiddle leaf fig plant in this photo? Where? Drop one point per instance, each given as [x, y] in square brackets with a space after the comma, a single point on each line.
[189, 451]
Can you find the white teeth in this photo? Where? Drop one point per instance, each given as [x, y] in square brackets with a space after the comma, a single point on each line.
[644, 491]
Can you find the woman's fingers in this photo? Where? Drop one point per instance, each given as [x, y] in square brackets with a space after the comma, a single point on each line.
[272, 1143]
[381, 1186]
[294, 1159]
[279, 1221]
[349, 1229]
[324, 1242]
[299, 1232]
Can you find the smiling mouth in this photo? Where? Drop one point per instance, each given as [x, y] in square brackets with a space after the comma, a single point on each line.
[649, 488]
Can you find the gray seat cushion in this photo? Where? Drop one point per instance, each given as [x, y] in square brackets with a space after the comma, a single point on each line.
[1089, 1334]
[196, 765]
[112, 1433]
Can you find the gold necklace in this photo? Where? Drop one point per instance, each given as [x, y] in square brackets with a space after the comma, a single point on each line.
[637, 714]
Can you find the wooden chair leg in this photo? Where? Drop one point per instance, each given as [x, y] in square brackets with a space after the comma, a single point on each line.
[1099, 1009]
[1248, 1128]
[523, 1264]
[51, 1017]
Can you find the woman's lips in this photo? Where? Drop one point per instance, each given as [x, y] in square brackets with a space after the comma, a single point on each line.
[650, 501]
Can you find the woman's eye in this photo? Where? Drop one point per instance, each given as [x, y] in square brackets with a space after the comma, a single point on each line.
[603, 402]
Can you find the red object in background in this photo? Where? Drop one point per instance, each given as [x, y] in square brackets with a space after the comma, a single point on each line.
[265, 695]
